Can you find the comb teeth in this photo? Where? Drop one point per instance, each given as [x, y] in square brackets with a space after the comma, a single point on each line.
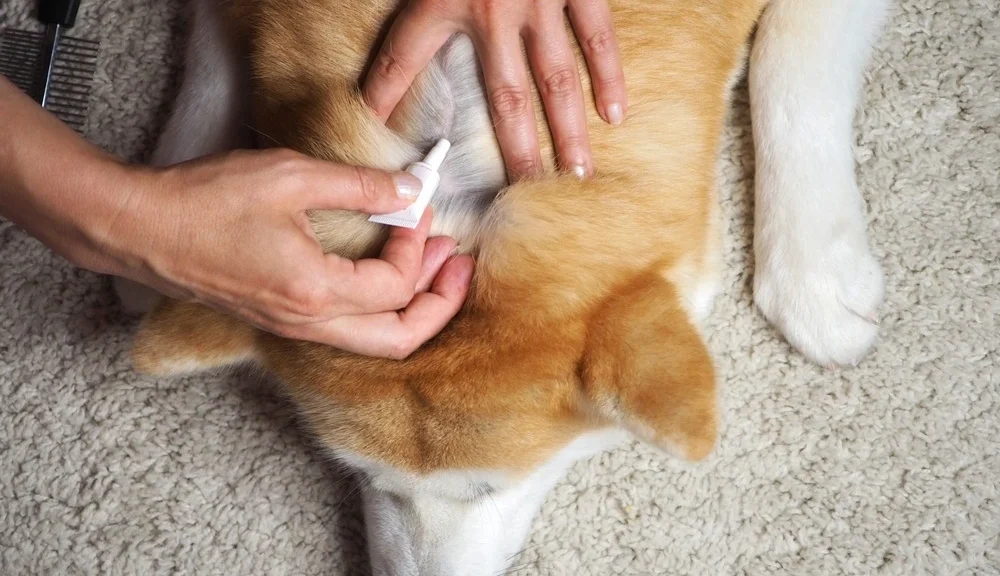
[72, 72]
[20, 56]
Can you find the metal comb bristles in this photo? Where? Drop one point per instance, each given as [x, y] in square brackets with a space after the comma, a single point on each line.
[20, 54]
[56, 70]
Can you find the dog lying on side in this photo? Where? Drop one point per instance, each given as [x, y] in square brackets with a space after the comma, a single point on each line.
[582, 321]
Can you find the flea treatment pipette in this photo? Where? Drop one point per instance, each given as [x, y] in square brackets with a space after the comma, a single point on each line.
[427, 172]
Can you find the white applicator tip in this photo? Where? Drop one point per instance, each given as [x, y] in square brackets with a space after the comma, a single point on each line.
[427, 172]
[436, 156]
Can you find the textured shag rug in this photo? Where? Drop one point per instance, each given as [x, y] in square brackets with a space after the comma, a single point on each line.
[887, 468]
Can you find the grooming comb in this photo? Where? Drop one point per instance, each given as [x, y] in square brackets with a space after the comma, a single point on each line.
[56, 70]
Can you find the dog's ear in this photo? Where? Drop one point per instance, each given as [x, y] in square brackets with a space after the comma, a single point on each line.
[647, 369]
[185, 337]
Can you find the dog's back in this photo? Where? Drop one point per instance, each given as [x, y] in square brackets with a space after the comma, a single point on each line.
[586, 295]
[308, 58]
[583, 311]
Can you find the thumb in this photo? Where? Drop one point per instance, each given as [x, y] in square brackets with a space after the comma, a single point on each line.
[363, 190]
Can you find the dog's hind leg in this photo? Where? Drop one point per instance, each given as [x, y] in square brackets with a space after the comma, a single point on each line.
[815, 277]
[209, 115]
[210, 112]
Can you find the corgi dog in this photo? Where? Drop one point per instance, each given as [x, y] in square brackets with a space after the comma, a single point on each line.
[582, 325]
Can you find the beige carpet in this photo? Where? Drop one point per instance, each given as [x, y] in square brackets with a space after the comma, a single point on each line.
[890, 468]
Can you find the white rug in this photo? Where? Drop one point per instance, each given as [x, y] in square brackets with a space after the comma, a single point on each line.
[889, 468]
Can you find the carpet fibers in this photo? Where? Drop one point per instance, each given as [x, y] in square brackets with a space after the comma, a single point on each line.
[887, 468]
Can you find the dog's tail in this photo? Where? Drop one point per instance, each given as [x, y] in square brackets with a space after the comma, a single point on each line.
[186, 337]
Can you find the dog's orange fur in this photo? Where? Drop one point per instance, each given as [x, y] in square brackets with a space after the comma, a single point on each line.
[579, 315]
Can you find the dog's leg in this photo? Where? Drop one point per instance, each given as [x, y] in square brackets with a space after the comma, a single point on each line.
[210, 111]
[815, 277]
[208, 116]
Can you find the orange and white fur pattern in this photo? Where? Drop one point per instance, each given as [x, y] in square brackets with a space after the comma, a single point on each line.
[582, 323]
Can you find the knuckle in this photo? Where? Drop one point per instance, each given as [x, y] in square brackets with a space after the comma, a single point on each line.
[367, 185]
[523, 165]
[389, 66]
[488, 13]
[561, 83]
[508, 101]
[289, 168]
[307, 297]
[403, 297]
[285, 331]
[601, 42]
[609, 81]
[402, 347]
[283, 153]
[436, 7]
[570, 142]
[284, 158]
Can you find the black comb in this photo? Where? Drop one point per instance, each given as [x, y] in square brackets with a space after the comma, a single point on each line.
[54, 69]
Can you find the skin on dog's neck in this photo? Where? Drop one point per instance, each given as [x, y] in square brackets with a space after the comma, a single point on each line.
[458, 521]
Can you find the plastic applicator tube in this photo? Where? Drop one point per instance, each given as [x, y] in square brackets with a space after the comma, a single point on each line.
[427, 172]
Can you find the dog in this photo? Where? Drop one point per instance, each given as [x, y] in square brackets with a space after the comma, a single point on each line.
[582, 326]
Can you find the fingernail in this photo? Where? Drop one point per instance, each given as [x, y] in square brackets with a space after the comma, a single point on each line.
[579, 171]
[407, 186]
[615, 114]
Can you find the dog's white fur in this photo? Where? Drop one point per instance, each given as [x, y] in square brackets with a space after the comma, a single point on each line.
[815, 277]
[458, 523]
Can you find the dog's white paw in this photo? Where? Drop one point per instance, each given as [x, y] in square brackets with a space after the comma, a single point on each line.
[825, 301]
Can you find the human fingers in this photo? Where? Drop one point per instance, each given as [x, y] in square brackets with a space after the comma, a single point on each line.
[399, 334]
[595, 31]
[386, 283]
[437, 250]
[415, 36]
[436, 254]
[554, 66]
[322, 185]
[510, 102]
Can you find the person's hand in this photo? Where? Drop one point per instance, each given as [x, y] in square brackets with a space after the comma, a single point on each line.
[496, 28]
[231, 231]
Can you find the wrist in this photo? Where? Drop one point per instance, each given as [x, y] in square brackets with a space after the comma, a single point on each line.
[59, 188]
[118, 227]
[72, 205]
